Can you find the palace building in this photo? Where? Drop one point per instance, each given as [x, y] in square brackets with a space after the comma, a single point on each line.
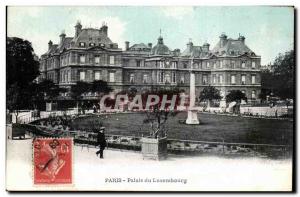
[91, 55]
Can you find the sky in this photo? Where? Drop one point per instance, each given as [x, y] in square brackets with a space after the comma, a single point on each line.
[268, 30]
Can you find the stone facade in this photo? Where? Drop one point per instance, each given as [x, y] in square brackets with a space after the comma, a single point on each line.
[91, 55]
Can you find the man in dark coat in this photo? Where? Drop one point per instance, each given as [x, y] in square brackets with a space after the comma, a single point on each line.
[101, 141]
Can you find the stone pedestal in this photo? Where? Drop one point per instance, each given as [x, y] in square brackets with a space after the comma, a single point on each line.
[192, 117]
[154, 148]
[223, 105]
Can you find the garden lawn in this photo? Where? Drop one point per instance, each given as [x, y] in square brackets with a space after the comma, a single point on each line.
[212, 128]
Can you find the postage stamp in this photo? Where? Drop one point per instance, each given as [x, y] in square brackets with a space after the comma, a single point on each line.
[52, 160]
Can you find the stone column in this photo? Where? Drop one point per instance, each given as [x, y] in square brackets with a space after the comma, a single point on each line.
[192, 117]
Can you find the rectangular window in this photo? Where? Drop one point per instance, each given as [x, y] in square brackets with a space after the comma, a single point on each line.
[215, 65]
[138, 63]
[214, 79]
[161, 77]
[111, 77]
[69, 76]
[66, 76]
[97, 75]
[220, 78]
[204, 79]
[97, 59]
[82, 58]
[173, 77]
[111, 59]
[207, 65]
[82, 76]
[131, 78]
[243, 79]
[145, 78]
[221, 64]
[253, 94]
[253, 79]
[253, 64]
[232, 64]
[161, 64]
[174, 64]
[232, 79]
[182, 79]
[243, 64]
[168, 80]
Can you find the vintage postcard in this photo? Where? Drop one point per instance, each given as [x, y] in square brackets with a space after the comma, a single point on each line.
[161, 98]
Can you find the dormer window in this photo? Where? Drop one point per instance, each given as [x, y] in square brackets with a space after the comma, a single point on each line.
[101, 45]
[92, 44]
[111, 46]
[81, 44]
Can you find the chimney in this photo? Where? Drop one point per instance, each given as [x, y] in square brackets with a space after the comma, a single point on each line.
[50, 43]
[205, 47]
[78, 27]
[150, 45]
[189, 46]
[127, 45]
[104, 28]
[242, 38]
[223, 40]
[62, 37]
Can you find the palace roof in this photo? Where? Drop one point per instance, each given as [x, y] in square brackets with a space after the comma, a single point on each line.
[231, 47]
[160, 48]
[91, 35]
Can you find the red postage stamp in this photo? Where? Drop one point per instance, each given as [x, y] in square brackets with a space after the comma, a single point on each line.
[52, 160]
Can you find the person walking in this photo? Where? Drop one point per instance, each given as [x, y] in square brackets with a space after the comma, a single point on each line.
[101, 141]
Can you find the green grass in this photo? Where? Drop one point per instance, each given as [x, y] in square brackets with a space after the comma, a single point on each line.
[212, 128]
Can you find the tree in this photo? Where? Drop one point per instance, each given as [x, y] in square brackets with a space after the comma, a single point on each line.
[21, 66]
[49, 89]
[78, 89]
[283, 71]
[280, 78]
[235, 95]
[21, 70]
[100, 86]
[156, 116]
[209, 93]
[14, 99]
[45, 90]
